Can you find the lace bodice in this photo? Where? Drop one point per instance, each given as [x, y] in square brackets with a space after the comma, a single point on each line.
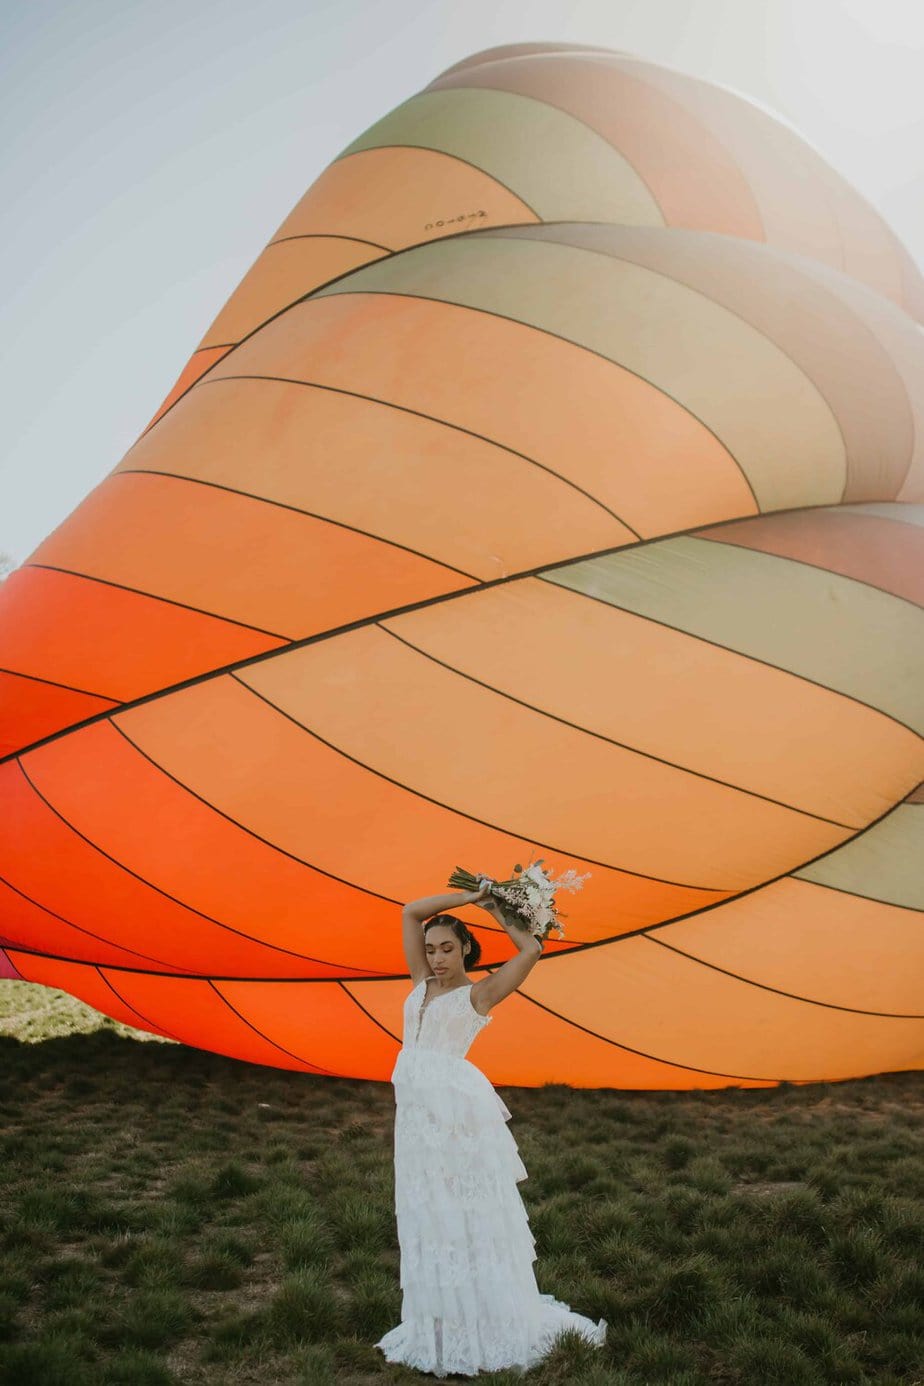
[448, 1022]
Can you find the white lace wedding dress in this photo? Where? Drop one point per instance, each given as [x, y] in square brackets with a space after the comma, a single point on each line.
[470, 1302]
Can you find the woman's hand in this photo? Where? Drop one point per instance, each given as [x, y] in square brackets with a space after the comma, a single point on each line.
[484, 898]
[475, 897]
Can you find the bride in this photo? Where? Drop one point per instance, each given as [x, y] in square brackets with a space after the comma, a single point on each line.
[470, 1302]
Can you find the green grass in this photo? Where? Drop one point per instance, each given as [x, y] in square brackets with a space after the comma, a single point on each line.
[172, 1216]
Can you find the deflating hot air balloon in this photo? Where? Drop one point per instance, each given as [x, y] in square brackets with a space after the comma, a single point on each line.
[554, 483]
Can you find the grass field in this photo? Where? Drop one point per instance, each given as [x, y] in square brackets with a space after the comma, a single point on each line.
[172, 1216]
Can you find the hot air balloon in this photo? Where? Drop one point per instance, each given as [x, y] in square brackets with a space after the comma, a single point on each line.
[553, 482]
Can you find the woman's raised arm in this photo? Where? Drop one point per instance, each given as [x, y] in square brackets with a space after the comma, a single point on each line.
[506, 979]
[437, 904]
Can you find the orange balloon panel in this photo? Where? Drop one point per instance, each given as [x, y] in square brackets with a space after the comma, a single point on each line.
[552, 484]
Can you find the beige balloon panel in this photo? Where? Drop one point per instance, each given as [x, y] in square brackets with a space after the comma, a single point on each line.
[335, 344]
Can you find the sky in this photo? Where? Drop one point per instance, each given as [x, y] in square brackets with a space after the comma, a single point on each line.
[154, 146]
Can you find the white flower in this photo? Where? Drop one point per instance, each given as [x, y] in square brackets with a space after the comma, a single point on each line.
[571, 881]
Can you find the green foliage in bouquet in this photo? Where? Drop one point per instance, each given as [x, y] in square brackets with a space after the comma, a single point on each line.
[527, 899]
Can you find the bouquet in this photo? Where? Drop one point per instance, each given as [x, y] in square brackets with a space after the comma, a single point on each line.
[527, 899]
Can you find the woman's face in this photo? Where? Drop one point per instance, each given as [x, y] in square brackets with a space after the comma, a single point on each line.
[444, 952]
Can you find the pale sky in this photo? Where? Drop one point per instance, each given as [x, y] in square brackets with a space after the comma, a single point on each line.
[152, 149]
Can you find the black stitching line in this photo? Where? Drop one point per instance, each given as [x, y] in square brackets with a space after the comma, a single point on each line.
[863, 324]
[430, 418]
[611, 740]
[445, 154]
[645, 930]
[450, 808]
[853, 891]
[819, 567]
[425, 602]
[187, 976]
[290, 952]
[743, 654]
[315, 1068]
[98, 969]
[578, 120]
[456, 235]
[154, 597]
[321, 292]
[283, 505]
[374, 894]
[344, 986]
[642, 1053]
[99, 938]
[54, 683]
[318, 236]
[778, 991]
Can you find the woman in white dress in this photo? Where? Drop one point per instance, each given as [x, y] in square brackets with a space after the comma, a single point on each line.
[470, 1302]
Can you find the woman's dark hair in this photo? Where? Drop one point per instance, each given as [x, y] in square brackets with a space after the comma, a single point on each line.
[466, 939]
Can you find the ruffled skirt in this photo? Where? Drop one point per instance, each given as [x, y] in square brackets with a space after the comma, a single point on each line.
[470, 1301]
